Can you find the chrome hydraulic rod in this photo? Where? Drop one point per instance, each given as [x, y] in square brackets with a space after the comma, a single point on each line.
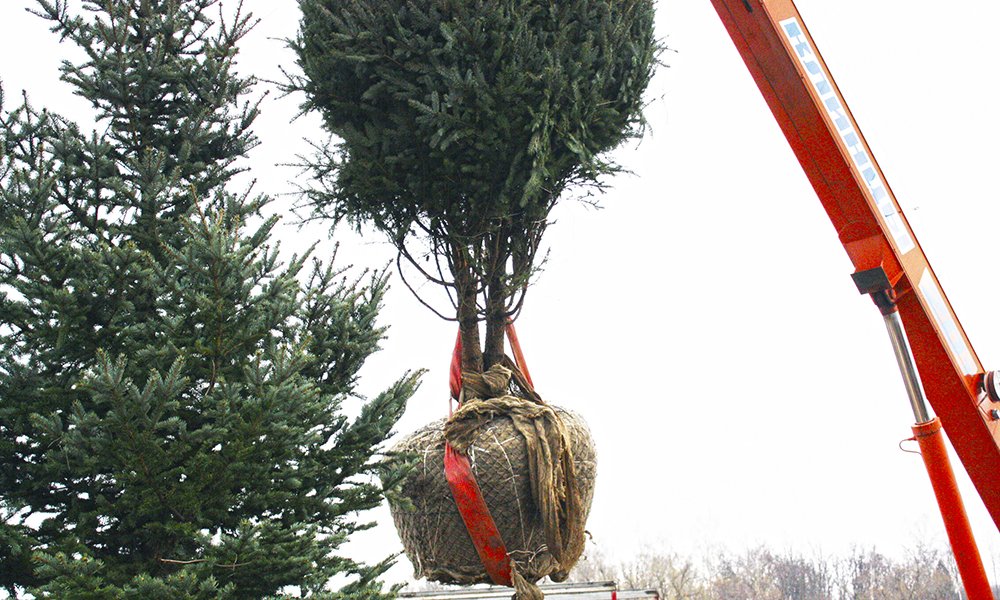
[907, 366]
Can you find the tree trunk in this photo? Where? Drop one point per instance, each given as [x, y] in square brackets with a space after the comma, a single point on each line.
[496, 317]
[467, 289]
[496, 300]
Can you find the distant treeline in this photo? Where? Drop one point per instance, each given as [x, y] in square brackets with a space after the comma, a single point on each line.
[926, 573]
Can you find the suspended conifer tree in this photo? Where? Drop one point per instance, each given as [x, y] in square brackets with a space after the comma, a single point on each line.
[170, 391]
[460, 125]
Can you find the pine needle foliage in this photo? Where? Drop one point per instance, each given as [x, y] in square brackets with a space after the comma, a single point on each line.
[461, 124]
[171, 420]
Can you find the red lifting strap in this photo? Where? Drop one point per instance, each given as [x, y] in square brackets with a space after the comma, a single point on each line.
[476, 515]
[468, 496]
[515, 346]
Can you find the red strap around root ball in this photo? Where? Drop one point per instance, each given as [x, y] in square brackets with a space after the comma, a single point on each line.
[468, 496]
[482, 529]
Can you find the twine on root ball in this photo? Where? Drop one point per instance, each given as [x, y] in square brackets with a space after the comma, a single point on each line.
[550, 457]
[536, 466]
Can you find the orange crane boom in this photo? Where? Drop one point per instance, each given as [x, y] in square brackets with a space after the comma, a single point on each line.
[889, 264]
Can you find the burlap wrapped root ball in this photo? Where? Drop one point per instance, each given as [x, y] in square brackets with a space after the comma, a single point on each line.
[533, 463]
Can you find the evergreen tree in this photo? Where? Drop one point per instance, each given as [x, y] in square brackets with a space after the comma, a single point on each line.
[461, 125]
[170, 391]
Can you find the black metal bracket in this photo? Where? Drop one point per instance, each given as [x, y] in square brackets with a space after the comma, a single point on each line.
[876, 284]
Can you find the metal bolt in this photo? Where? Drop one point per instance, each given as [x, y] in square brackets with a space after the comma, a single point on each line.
[995, 414]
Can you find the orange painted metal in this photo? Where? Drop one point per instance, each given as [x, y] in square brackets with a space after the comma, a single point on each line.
[956, 522]
[782, 58]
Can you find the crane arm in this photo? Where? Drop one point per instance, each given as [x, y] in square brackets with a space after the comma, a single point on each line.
[798, 87]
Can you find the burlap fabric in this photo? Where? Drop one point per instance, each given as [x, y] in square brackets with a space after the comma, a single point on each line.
[512, 469]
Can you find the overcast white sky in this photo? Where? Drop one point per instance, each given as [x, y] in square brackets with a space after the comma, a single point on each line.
[739, 389]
